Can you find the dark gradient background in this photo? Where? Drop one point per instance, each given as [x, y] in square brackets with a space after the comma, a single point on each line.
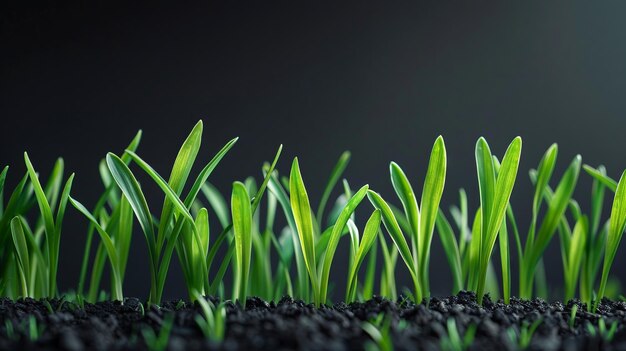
[382, 80]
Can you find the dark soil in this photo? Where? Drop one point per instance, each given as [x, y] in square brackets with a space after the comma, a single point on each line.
[290, 324]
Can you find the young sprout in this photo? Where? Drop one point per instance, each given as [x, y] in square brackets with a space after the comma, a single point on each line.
[453, 341]
[242, 223]
[421, 224]
[212, 322]
[557, 202]
[617, 225]
[35, 270]
[306, 232]
[524, 337]
[175, 219]
[495, 191]
[159, 342]
[380, 332]
[107, 220]
[572, 316]
[369, 238]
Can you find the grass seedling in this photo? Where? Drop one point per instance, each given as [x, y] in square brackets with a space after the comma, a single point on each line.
[524, 337]
[159, 342]
[108, 221]
[595, 241]
[453, 341]
[380, 332]
[606, 334]
[572, 317]
[617, 223]
[557, 203]
[369, 237]
[242, 224]
[495, 191]
[212, 322]
[303, 218]
[36, 252]
[421, 223]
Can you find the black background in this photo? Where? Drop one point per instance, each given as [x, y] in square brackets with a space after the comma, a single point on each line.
[78, 79]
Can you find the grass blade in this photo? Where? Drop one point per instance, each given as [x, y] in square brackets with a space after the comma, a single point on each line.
[335, 175]
[617, 224]
[301, 209]
[242, 225]
[431, 196]
[334, 239]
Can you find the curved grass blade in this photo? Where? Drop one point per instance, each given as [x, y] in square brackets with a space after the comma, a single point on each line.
[301, 209]
[617, 225]
[342, 220]
[369, 237]
[335, 175]
[431, 197]
[391, 224]
[242, 225]
[601, 177]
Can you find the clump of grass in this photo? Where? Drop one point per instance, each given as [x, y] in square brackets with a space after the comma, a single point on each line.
[421, 224]
[33, 270]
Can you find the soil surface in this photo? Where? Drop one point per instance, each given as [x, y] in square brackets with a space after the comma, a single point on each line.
[291, 324]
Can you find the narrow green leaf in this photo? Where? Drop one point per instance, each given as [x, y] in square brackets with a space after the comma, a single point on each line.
[301, 209]
[431, 197]
[601, 177]
[335, 175]
[369, 237]
[451, 249]
[21, 250]
[391, 224]
[242, 225]
[617, 224]
[334, 238]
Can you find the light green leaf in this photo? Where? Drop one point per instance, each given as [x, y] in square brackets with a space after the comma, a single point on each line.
[343, 218]
[301, 209]
[242, 225]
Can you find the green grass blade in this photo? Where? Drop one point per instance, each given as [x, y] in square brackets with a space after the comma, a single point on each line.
[169, 192]
[218, 203]
[617, 224]
[131, 189]
[558, 204]
[601, 177]
[334, 239]
[405, 193]
[180, 172]
[451, 249]
[369, 237]
[261, 190]
[108, 244]
[431, 196]
[242, 225]
[335, 175]
[206, 172]
[23, 256]
[391, 224]
[494, 197]
[575, 256]
[301, 209]
[50, 229]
